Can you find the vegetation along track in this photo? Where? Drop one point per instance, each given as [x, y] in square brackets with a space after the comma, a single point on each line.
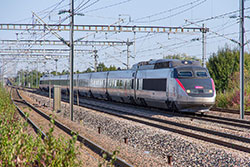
[223, 139]
[91, 145]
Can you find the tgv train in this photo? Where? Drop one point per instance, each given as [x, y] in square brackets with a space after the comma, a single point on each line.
[165, 83]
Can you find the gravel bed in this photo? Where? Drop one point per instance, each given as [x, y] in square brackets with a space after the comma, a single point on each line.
[229, 129]
[149, 146]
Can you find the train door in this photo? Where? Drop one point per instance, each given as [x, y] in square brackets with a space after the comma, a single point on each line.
[106, 84]
[134, 83]
[171, 92]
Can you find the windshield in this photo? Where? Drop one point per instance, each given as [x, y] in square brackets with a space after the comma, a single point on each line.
[191, 72]
[201, 74]
[185, 74]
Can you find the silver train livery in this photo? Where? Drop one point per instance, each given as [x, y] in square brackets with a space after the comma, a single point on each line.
[166, 83]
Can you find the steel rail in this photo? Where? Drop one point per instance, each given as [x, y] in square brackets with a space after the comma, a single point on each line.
[193, 135]
[231, 111]
[88, 143]
[123, 114]
[128, 116]
[34, 126]
[224, 120]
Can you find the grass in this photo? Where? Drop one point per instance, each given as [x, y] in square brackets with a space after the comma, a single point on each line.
[18, 148]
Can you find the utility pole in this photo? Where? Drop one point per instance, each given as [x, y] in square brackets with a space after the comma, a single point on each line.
[128, 52]
[49, 89]
[32, 76]
[3, 72]
[56, 65]
[22, 78]
[19, 80]
[241, 39]
[134, 44]
[95, 57]
[71, 59]
[37, 73]
[204, 57]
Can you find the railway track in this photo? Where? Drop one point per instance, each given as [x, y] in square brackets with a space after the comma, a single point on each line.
[223, 120]
[18, 100]
[204, 117]
[226, 140]
[231, 111]
[165, 125]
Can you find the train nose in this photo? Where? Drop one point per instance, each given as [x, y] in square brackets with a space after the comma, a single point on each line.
[197, 87]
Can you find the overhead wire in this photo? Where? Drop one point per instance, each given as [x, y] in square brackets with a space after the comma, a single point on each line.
[215, 17]
[183, 11]
[108, 6]
[81, 5]
[166, 11]
[53, 9]
[170, 10]
[93, 3]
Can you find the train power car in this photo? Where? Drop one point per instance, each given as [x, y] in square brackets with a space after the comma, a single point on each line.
[166, 83]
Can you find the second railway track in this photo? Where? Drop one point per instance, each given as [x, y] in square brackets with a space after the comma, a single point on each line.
[216, 137]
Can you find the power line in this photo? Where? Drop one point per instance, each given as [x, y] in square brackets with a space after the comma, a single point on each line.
[93, 3]
[81, 5]
[54, 8]
[183, 11]
[215, 17]
[169, 10]
[108, 6]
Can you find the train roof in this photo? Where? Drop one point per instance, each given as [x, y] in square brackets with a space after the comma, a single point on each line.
[55, 77]
[164, 63]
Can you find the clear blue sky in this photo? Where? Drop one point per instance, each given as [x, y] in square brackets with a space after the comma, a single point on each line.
[141, 12]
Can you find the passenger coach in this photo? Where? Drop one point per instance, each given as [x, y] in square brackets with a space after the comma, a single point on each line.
[165, 83]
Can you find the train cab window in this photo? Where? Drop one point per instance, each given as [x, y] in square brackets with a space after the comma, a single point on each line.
[201, 74]
[185, 74]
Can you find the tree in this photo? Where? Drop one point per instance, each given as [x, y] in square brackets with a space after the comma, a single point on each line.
[53, 72]
[27, 78]
[88, 70]
[102, 67]
[181, 57]
[222, 66]
[64, 72]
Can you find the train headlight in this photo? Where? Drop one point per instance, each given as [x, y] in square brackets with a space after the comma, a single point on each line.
[188, 91]
[210, 91]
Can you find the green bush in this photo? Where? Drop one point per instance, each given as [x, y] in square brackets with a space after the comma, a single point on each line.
[18, 148]
[221, 100]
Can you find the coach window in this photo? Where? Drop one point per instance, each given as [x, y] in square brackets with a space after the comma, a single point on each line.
[138, 84]
[154, 84]
[111, 83]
